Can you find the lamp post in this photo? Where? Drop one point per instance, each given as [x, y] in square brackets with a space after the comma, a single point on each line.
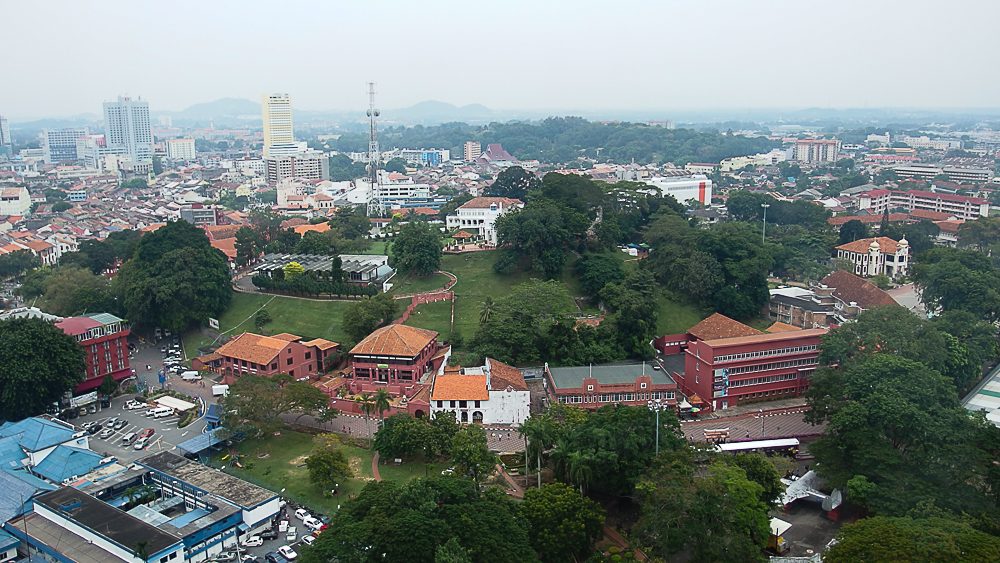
[657, 405]
[764, 231]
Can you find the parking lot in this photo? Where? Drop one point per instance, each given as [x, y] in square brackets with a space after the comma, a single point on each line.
[270, 546]
[166, 433]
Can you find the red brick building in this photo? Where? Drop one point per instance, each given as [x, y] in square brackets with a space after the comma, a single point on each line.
[268, 355]
[727, 362]
[105, 340]
[395, 354]
[592, 387]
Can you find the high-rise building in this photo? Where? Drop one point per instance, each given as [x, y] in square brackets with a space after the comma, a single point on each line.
[180, 149]
[472, 150]
[59, 145]
[5, 142]
[307, 165]
[276, 111]
[126, 124]
[92, 151]
[817, 150]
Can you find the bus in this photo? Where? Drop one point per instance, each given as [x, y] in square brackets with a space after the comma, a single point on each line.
[783, 446]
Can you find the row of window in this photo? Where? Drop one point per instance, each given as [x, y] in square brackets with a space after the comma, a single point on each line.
[107, 368]
[769, 393]
[119, 342]
[616, 397]
[461, 404]
[763, 380]
[766, 353]
[776, 365]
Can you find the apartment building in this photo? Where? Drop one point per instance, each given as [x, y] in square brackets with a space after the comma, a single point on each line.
[15, 201]
[308, 165]
[816, 150]
[127, 126]
[59, 145]
[929, 172]
[961, 206]
[276, 110]
[473, 150]
[180, 149]
[104, 337]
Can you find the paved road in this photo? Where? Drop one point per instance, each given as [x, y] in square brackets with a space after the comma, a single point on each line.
[774, 426]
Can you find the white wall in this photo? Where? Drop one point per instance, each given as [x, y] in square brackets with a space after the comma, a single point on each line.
[504, 407]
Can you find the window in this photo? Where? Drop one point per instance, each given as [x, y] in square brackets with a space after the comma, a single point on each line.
[463, 404]
[310, 367]
[253, 365]
[289, 361]
[173, 555]
[477, 404]
[591, 387]
[440, 404]
[291, 372]
[163, 559]
[308, 355]
[642, 385]
[452, 404]
[274, 365]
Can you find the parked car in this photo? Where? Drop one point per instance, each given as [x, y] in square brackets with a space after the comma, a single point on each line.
[312, 524]
[121, 424]
[269, 535]
[141, 443]
[94, 429]
[308, 540]
[107, 432]
[111, 421]
[226, 556]
[92, 409]
[301, 514]
[287, 552]
[253, 541]
[147, 433]
[273, 557]
[86, 425]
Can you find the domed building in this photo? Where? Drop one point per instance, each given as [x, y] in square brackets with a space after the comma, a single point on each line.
[879, 255]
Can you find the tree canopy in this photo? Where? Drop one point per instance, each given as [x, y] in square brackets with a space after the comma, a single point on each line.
[417, 248]
[175, 278]
[254, 403]
[909, 540]
[40, 364]
[513, 182]
[562, 522]
[362, 318]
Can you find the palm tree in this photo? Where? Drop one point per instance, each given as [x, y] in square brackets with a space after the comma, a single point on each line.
[382, 400]
[535, 431]
[365, 402]
[131, 494]
[489, 307]
[139, 549]
[581, 469]
[147, 492]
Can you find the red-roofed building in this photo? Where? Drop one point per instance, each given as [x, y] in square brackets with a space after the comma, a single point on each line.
[961, 206]
[725, 364]
[879, 255]
[268, 355]
[104, 338]
[494, 393]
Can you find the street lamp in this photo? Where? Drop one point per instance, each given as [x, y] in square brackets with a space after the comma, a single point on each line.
[657, 405]
[764, 231]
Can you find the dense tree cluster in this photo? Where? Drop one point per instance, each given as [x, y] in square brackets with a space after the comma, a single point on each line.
[403, 435]
[363, 317]
[254, 404]
[40, 364]
[561, 140]
[951, 279]
[417, 248]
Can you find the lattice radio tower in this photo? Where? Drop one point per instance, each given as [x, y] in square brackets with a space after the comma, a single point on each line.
[375, 207]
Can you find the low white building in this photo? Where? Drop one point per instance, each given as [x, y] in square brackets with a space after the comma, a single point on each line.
[874, 256]
[494, 393]
[697, 187]
[15, 201]
[479, 215]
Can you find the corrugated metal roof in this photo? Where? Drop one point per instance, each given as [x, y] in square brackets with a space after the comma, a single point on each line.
[65, 462]
[572, 377]
[36, 433]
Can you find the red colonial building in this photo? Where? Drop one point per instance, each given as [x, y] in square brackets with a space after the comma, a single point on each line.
[267, 355]
[105, 340]
[592, 387]
[726, 362]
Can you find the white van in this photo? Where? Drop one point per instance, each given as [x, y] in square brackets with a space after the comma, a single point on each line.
[191, 376]
[163, 412]
[301, 514]
[283, 526]
[292, 534]
[128, 439]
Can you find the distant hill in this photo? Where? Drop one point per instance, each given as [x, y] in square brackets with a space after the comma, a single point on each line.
[434, 111]
[224, 108]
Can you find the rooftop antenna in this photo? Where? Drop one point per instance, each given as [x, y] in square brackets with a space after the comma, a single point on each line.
[375, 207]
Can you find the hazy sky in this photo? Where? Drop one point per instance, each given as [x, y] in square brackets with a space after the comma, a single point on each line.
[65, 58]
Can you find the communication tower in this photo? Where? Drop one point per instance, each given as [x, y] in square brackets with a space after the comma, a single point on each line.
[375, 206]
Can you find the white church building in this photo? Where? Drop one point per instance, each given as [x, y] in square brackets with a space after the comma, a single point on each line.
[494, 393]
[880, 255]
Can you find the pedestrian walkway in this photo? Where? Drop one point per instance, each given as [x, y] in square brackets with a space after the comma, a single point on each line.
[770, 425]
[518, 492]
[617, 538]
[375, 473]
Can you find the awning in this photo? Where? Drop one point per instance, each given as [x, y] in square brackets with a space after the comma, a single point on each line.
[202, 442]
[242, 527]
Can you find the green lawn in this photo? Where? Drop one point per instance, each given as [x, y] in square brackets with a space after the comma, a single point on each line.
[418, 284]
[305, 318]
[433, 316]
[378, 247]
[284, 468]
[676, 318]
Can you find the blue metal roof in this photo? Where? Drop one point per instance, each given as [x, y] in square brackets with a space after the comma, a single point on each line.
[65, 462]
[202, 442]
[11, 453]
[36, 433]
[17, 488]
[7, 541]
[214, 413]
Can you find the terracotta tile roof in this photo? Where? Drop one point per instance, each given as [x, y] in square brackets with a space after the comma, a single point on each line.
[395, 340]
[423, 395]
[460, 388]
[38, 245]
[440, 353]
[153, 227]
[286, 337]
[319, 228]
[294, 222]
[227, 246]
[758, 338]
[321, 344]
[949, 226]
[486, 202]
[932, 215]
[252, 348]
[860, 246]
[503, 376]
[462, 234]
[849, 287]
[209, 357]
[221, 232]
[721, 326]
[781, 327]
[868, 219]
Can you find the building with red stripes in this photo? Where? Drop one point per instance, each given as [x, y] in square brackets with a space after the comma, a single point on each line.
[104, 337]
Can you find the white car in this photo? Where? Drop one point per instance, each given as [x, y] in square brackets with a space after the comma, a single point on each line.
[287, 552]
[141, 443]
[253, 541]
[308, 540]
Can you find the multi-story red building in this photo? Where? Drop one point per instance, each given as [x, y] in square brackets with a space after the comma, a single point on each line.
[395, 354]
[105, 340]
[727, 362]
[267, 355]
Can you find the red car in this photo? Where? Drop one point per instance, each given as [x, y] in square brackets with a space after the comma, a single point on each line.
[146, 433]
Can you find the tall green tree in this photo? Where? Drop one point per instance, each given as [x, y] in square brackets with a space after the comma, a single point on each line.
[17, 263]
[41, 363]
[108, 385]
[597, 270]
[514, 182]
[247, 245]
[908, 540]
[175, 278]
[327, 462]
[514, 330]
[853, 230]
[951, 279]
[563, 523]
[417, 248]
[362, 318]
[541, 234]
[451, 552]
[471, 453]
[255, 403]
